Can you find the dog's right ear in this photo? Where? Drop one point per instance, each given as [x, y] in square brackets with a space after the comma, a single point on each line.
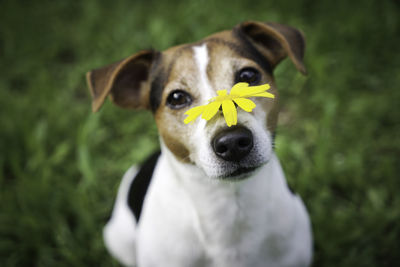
[276, 41]
[126, 81]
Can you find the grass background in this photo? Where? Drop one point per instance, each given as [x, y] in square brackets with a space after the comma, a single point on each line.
[60, 165]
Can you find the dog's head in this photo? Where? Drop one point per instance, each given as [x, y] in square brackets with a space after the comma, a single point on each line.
[171, 82]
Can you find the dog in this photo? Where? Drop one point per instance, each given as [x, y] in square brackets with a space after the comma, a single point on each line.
[215, 195]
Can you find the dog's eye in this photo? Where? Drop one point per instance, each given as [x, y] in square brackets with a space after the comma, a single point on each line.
[178, 99]
[248, 75]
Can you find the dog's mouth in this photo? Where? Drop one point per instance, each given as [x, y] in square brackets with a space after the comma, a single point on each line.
[240, 173]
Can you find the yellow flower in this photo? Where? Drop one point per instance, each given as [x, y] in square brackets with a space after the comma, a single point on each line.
[238, 95]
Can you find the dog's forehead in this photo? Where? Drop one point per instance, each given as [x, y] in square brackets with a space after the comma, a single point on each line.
[230, 40]
[183, 55]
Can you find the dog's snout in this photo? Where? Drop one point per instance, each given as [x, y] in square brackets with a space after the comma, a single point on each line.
[233, 144]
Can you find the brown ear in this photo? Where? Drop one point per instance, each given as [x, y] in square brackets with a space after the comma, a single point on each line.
[125, 81]
[276, 42]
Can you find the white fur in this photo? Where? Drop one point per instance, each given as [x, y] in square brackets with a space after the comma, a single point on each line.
[120, 231]
[188, 220]
[201, 59]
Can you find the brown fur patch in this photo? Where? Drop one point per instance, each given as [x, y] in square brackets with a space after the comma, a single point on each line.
[173, 132]
[180, 72]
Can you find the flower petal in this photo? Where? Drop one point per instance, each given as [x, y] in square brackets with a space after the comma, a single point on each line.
[254, 90]
[245, 104]
[193, 113]
[230, 113]
[222, 92]
[210, 110]
[264, 94]
[238, 88]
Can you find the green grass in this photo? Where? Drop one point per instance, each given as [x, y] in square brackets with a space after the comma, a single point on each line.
[60, 165]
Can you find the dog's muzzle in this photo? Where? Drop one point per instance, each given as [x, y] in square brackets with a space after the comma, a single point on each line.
[233, 144]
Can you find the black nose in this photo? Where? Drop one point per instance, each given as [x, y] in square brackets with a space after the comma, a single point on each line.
[233, 144]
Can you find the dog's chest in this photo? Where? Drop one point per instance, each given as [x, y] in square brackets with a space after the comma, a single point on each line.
[206, 224]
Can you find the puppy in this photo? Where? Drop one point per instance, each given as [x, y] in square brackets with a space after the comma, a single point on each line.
[216, 195]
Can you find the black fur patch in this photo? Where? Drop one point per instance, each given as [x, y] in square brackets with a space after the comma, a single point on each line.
[138, 188]
[157, 87]
[158, 82]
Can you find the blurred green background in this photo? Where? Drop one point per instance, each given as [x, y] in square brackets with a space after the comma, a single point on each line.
[60, 165]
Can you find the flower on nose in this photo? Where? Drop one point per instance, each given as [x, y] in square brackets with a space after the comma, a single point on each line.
[238, 95]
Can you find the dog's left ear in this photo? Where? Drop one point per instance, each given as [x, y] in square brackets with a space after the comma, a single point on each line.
[276, 42]
[126, 81]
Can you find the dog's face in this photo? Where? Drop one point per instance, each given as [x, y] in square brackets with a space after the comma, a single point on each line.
[192, 74]
[171, 82]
